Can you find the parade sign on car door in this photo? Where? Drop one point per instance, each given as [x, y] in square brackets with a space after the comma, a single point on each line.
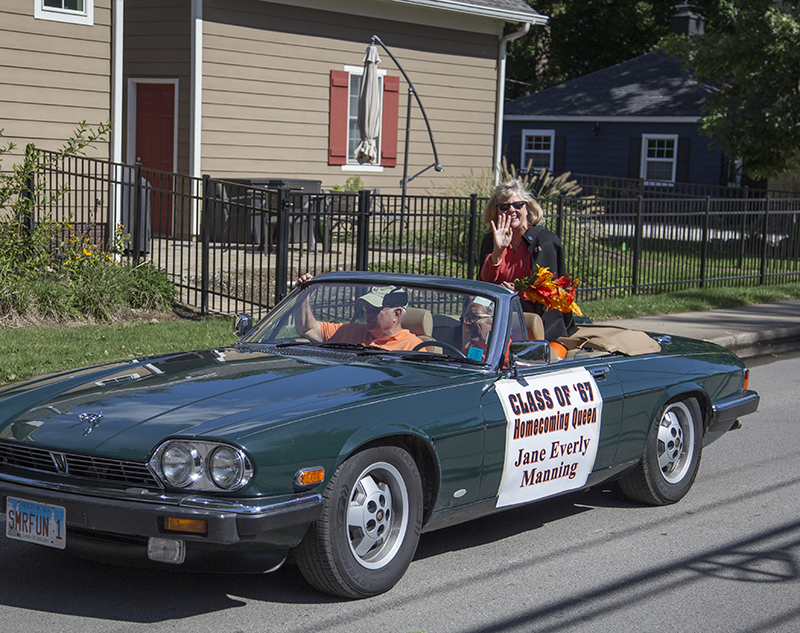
[553, 426]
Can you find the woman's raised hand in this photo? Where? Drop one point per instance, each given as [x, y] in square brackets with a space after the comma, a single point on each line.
[502, 233]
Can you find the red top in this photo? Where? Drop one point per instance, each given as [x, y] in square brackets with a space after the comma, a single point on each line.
[513, 265]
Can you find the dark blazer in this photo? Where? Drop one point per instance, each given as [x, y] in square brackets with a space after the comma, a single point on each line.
[546, 251]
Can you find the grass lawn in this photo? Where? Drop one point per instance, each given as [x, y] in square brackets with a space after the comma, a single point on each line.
[31, 351]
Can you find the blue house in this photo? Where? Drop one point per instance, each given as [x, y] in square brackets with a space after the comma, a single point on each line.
[637, 119]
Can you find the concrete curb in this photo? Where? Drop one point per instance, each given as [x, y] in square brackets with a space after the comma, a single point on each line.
[748, 331]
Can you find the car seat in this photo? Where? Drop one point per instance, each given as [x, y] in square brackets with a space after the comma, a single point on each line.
[420, 322]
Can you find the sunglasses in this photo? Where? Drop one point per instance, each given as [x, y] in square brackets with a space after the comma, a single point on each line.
[505, 206]
[469, 319]
[370, 309]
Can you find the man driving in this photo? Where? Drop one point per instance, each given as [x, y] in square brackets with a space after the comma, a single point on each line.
[384, 308]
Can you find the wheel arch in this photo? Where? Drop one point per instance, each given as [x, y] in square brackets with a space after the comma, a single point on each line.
[690, 390]
[421, 451]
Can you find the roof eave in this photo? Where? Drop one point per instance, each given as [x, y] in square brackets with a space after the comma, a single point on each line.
[603, 118]
[471, 9]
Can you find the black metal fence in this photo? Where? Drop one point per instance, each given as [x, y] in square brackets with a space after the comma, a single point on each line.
[618, 187]
[230, 246]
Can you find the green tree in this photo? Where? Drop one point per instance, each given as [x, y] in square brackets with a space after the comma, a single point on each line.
[583, 36]
[751, 51]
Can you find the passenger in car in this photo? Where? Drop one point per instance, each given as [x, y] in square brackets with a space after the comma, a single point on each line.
[476, 324]
[384, 308]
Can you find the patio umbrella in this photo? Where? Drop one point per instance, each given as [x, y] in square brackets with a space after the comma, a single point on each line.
[369, 108]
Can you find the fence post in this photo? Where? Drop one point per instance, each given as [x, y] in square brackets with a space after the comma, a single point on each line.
[742, 241]
[560, 216]
[362, 236]
[764, 242]
[205, 254]
[26, 195]
[137, 215]
[282, 249]
[637, 244]
[704, 245]
[473, 238]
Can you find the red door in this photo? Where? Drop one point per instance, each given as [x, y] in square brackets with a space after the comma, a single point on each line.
[155, 146]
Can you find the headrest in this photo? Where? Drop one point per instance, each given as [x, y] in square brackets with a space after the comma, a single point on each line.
[418, 321]
[535, 326]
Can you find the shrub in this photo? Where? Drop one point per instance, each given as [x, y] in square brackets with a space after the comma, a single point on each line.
[542, 184]
[47, 271]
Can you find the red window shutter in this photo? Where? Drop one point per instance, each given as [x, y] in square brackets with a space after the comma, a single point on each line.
[389, 120]
[337, 123]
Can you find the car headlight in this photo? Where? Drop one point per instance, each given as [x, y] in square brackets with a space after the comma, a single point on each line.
[181, 465]
[227, 467]
[199, 465]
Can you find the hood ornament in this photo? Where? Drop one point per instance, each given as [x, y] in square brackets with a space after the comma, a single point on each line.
[93, 419]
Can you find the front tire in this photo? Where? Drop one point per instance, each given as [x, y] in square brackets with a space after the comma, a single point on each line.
[671, 455]
[369, 529]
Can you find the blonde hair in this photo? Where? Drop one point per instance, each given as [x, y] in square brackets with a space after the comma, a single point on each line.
[503, 192]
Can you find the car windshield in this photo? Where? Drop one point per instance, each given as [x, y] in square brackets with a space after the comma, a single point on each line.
[401, 319]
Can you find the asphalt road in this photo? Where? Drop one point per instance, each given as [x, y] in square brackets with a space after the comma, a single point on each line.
[726, 558]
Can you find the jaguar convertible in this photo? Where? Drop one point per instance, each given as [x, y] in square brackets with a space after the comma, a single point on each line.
[364, 410]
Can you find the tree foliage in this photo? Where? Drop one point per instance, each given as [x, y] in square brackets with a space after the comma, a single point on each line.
[751, 51]
[583, 36]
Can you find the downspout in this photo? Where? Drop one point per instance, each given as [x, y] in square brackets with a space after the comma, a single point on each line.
[501, 94]
[115, 142]
[116, 80]
[196, 124]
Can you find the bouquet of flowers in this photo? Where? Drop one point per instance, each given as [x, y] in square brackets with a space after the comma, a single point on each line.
[555, 293]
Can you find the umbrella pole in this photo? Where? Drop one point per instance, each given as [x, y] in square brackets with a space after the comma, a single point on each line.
[436, 164]
[404, 182]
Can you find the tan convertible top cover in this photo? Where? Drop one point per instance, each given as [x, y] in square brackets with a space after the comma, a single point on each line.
[611, 338]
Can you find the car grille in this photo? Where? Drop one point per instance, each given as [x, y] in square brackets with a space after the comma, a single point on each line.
[73, 465]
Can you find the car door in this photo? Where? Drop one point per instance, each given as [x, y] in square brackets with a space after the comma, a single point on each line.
[549, 427]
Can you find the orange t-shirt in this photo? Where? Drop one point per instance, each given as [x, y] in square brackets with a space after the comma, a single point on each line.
[358, 333]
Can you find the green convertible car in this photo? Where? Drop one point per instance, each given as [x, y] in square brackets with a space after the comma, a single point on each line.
[367, 408]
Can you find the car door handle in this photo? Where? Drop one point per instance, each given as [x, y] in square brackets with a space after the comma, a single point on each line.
[599, 373]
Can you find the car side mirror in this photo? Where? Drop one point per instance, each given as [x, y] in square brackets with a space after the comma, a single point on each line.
[529, 353]
[242, 325]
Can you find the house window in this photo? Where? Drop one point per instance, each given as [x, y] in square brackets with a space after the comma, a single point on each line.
[343, 133]
[71, 11]
[537, 149]
[659, 157]
[353, 133]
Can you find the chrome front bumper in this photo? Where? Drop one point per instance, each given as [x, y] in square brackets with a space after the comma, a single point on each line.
[279, 522]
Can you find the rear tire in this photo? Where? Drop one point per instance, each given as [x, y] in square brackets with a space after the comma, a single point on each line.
[369, 529]
[671, 455]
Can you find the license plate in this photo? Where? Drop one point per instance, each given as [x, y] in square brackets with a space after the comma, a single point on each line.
[36, 523]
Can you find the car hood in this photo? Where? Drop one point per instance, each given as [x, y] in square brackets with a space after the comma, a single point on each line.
[125, 409]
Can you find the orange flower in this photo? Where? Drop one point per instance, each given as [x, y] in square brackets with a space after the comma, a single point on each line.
[555, 293]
